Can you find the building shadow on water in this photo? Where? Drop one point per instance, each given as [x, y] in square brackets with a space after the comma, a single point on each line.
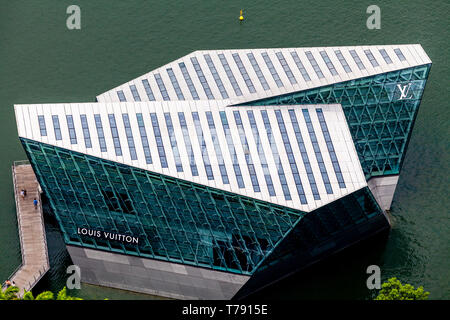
[341, 276]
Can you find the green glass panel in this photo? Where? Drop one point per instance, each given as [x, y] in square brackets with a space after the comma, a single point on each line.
[391, 99]
[174, 220]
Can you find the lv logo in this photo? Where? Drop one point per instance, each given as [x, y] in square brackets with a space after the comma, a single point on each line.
[404, 91]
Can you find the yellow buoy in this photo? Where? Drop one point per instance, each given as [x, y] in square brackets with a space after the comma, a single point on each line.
[241, 17]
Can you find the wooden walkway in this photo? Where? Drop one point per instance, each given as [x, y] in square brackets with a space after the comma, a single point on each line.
[30, 221]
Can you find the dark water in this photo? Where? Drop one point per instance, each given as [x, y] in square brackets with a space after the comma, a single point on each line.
[41, 61]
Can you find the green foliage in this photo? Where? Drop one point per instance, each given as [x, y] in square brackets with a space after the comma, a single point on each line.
[46, 295]
[11, 293]
[28, 296]
[62, 295]
[393, 289]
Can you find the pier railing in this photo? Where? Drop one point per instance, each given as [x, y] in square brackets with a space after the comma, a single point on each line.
[37, 275]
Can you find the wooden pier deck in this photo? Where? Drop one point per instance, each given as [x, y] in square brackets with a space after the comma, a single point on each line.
[30, 221]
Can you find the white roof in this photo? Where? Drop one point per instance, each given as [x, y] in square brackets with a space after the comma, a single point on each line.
[262, 151]
[293, 71]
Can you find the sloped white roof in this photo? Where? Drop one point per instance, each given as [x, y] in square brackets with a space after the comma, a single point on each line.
[263, 151]
[202, 75]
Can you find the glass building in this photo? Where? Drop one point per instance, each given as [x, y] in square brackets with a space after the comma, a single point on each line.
[224, 171]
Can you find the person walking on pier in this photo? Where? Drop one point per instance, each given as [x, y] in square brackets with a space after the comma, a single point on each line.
[35, 202]
[22, 193]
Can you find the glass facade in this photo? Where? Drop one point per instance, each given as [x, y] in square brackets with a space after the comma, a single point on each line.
[314, 64]
[100, 133]
[175, 220]
[188, 80]
[276, 155]
[86, 133]
[261, 154]
[173, 142]
[188, 144]
[162, 87]
[71, 127]
[286, 68]
[328, 62]
[272, 69]
[244, 73]
[42, 127]
[300, 66]
[230, 75]
[159, 140]
[202, 78]
[380, 111]
[314, 232]
[399, 54]
[330, 147]
[305, 158]
[130, 139]
[175, 84]
[144, 139]
[291, 158]
[385, 56]
[121, 96]
[180, 221]
[216, 143]
[57, 127]
[216, 76]
[115, 134]
[343, 61]
[357, 60]
[203, 146]
[258, 71]
[232, 149]
[247, 154]
[148, 90]
[135, 93]
[371, 58]
[317, 235]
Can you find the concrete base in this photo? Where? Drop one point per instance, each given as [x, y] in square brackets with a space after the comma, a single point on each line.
[383, 189]
[154, 277]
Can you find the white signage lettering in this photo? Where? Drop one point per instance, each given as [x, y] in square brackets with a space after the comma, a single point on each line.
[404, 91]
[107, 235]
